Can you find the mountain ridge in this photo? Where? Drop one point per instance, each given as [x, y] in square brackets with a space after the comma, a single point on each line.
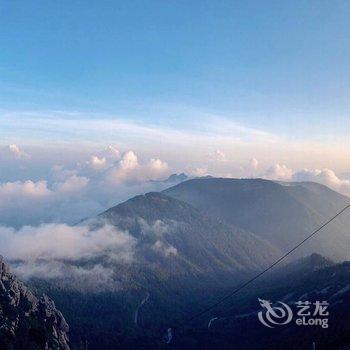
[282, 214]
[154, 207]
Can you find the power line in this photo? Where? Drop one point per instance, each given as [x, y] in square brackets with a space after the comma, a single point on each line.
[235, 291]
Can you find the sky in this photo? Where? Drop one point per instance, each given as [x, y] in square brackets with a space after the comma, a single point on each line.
[121, 93]
[278, 66]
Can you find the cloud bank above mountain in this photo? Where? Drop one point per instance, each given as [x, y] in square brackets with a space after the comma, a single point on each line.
[71, 187]
[70, 193]
[325, 177]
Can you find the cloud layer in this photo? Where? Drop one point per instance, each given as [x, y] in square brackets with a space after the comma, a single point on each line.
[74, 255]
[72, 192]
[68, 192]
[91, 256]
[325, 177]
[63, 242]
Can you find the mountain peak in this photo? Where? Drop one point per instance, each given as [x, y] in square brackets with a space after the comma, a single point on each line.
[316, 261]
[282, 214]
[177, 177]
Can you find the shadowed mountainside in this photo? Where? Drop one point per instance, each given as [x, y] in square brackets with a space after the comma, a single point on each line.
[281, 213]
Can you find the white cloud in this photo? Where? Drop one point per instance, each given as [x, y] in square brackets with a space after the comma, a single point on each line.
[158, 165]
[88, 256]
[128, 170]
[28, 188]
[29, 202]
[98, 163]
[105, 159]
[157, 233]
[17, 152]
[72, 194]
[60, 173]
[125, 170]
[164, 249]
[198, 172]
[58, 250]
[95, 278]
[220, 155]
[157, 229]
[73, 183]
[128, 161]
[111, 153]
[19, 190]
[60, 241]
[214, 128]
[156, 169]
[254, 164]
[124, 167]
[326, 177]
[278, 172]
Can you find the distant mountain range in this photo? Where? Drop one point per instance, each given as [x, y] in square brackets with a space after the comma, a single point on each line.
[281, 213]
[173, 179]
[202, 244]
[194, 242]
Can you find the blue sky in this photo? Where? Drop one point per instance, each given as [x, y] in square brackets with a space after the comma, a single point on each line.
[263, 63]
[210, 70]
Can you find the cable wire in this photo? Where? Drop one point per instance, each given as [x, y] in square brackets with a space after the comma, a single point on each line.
[235, 291]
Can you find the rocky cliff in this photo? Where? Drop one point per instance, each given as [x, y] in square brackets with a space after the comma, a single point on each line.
[28, 322]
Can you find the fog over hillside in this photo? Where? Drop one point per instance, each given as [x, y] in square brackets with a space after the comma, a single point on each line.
[198, 226]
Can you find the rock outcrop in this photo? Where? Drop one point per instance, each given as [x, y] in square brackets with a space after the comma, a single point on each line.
[26, 321]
